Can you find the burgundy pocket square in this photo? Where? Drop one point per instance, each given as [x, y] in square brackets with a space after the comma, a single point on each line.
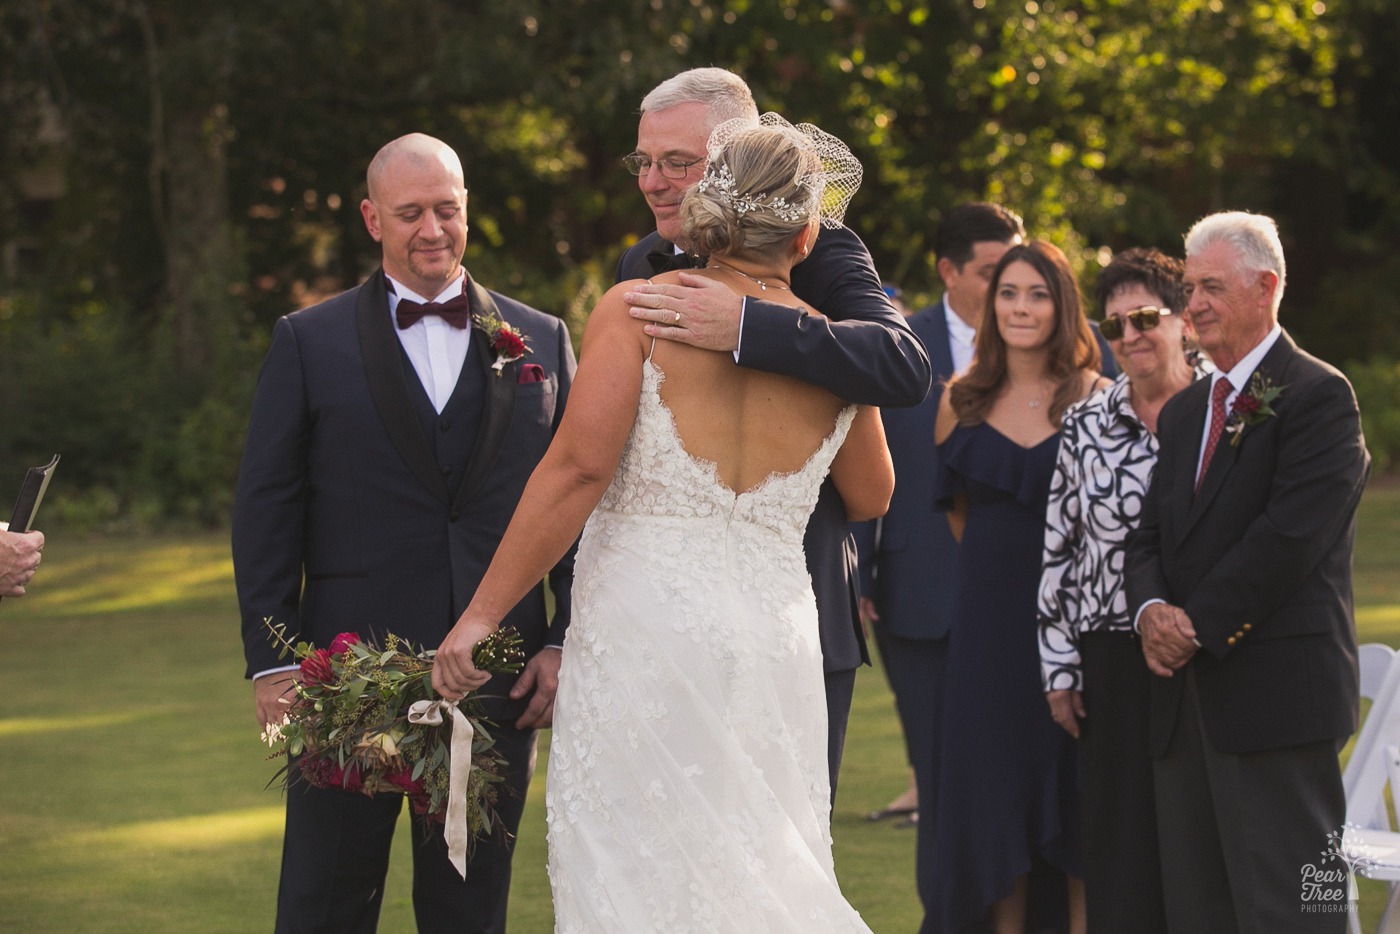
[531, 373]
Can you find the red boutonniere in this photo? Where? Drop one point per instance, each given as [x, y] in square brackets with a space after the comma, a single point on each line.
[1252, 406]
[508, 343]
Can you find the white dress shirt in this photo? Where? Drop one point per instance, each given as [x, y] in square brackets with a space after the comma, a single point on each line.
[961, 338]
[435, 348]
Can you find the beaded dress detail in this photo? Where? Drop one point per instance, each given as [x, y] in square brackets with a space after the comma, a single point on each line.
[687, 787]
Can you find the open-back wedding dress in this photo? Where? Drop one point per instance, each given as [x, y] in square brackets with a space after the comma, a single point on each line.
[687, 787]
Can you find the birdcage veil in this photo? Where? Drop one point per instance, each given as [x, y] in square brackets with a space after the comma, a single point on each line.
[832, 187]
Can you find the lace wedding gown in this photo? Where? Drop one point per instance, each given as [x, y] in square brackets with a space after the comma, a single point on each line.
[687, 787]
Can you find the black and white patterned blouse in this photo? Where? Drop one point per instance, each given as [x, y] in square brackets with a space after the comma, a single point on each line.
[1096, 495]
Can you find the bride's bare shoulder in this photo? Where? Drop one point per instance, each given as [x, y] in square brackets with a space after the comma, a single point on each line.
[612, 316]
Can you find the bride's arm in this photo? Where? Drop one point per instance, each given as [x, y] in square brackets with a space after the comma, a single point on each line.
[862, 471]
[565, 486]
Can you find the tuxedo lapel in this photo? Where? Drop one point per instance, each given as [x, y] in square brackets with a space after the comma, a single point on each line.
[380, 351]
[498, 404]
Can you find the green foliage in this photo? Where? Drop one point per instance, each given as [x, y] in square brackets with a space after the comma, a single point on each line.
[1377, 385]
[141, 442]
[212, 158]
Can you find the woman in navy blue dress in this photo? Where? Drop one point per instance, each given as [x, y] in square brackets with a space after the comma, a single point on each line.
[1008, 801]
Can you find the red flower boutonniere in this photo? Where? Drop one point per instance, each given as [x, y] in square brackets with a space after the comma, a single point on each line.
[1252, 406]
[508, 342]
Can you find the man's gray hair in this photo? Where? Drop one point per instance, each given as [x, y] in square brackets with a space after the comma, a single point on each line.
[724, 93]
[1254, 237]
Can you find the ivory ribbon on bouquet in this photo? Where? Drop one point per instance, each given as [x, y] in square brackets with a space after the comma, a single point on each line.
[455, 830]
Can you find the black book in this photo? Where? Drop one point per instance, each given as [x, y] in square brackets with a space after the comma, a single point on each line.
[31, 494]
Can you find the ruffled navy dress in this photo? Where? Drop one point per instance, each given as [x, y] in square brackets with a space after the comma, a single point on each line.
[1009, 792]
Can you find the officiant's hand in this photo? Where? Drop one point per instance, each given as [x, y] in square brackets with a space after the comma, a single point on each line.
[20, 555]
[698, 310]
[268, 694]
[454, 673]
[541, 675]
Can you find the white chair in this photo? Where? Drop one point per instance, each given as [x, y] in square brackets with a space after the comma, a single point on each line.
[1365, 775]
[1376, 855]
[1375, 660]
[1368, 769]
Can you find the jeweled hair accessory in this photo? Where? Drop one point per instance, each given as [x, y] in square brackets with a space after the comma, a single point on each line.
[722, 181]
[832, 188]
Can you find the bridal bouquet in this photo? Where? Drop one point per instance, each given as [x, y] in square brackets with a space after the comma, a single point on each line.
[366, 719]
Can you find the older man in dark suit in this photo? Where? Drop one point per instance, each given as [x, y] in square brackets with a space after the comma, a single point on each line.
[862, 351]
[387, 449]
[1240, 576]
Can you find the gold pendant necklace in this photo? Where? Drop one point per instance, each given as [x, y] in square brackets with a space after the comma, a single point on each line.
[762, 286]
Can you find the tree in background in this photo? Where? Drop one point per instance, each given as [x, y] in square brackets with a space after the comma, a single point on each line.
[213, 158]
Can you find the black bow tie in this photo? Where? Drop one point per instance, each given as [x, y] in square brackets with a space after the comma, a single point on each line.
[455, 311]
[667, 259]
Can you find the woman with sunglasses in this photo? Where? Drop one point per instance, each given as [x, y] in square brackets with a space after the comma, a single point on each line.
[1007, 807]
[1092, 665]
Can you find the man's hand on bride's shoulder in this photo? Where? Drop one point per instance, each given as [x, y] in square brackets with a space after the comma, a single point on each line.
[697, 310]
[454, 673]
[539, 680]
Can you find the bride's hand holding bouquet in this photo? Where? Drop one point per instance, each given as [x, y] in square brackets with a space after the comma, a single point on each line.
[455, 671]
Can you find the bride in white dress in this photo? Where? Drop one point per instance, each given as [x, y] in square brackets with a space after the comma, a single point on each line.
[687, 787]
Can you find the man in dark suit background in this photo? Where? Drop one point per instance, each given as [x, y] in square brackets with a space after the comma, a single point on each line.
[862, 352]
[384, 458]
[906, 558]
[1240, 576]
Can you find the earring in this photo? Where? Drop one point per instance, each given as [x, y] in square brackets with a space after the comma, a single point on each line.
[804, 251]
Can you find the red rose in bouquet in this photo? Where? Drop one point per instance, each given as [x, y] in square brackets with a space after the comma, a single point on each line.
[404, 779]
[324, 773]
[343, 641]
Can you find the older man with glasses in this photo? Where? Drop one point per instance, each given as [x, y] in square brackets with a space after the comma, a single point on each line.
[1239, 583]
[862, 351]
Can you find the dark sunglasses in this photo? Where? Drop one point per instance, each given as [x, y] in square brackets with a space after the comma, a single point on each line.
[1144, 319]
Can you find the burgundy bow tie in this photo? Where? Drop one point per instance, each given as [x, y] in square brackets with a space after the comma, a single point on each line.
[455, 311]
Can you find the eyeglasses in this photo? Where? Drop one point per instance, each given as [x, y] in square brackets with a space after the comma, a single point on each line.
[638, 164]
[1144, 319]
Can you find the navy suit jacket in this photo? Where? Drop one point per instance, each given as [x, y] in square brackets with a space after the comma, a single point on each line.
[344, 520]
[1260, 560]
[907, 558]
[871, 357]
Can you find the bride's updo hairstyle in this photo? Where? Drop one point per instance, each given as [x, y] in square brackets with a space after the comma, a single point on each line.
[765, 183]
[756, 194]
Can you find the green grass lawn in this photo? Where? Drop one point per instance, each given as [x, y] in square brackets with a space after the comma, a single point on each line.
[135, 785]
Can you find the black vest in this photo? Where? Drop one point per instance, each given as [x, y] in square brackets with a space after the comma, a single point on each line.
[451, 434]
